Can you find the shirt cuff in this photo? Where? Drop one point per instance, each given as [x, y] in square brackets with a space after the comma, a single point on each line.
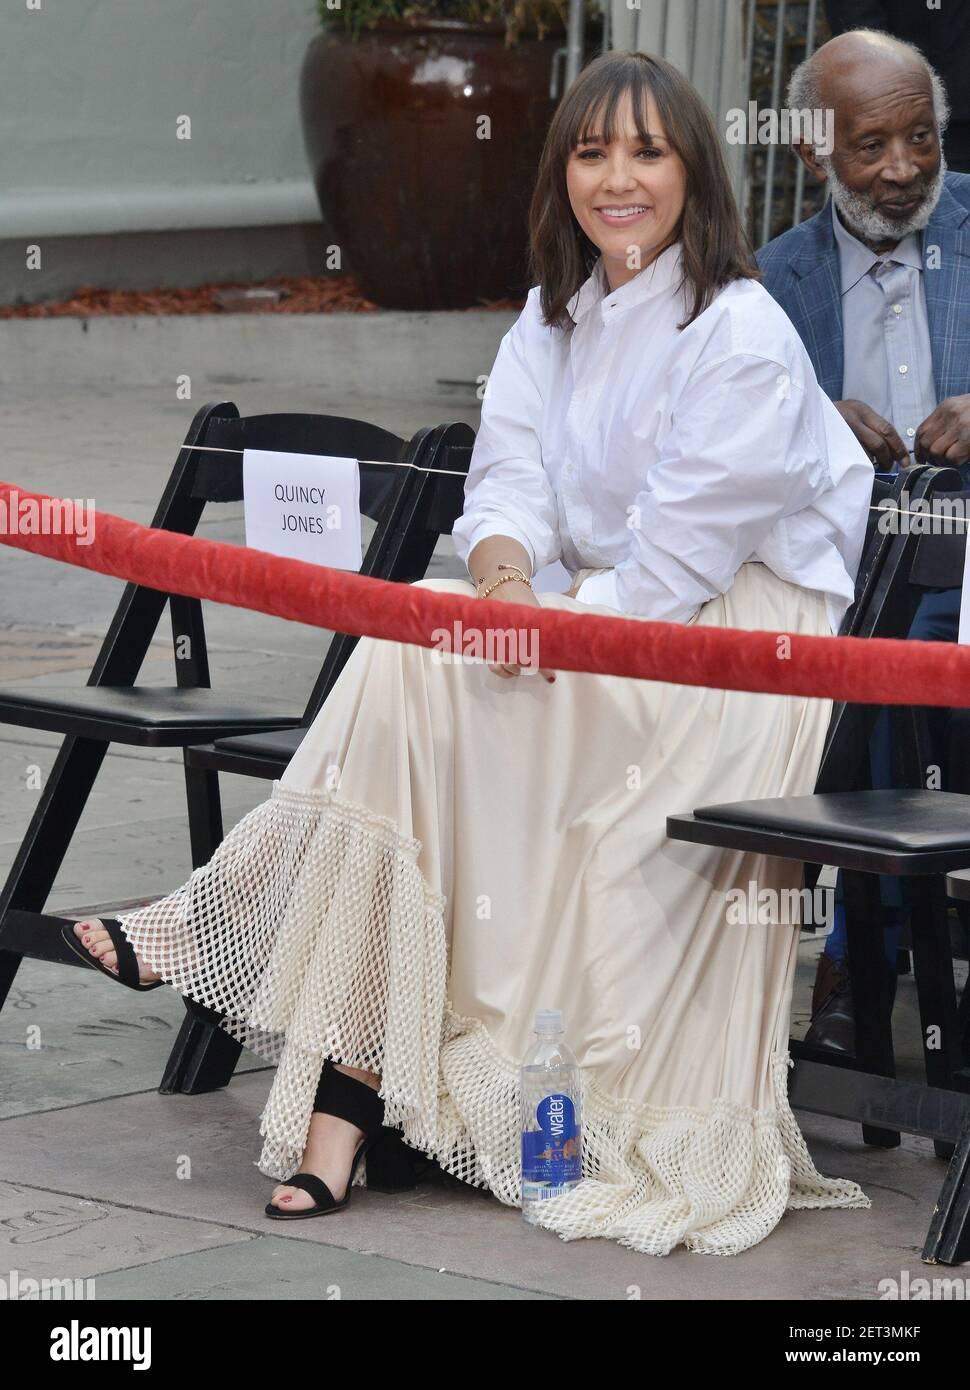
[484, 529]
[600, 589]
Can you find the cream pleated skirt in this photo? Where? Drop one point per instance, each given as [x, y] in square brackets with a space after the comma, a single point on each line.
[450, 850]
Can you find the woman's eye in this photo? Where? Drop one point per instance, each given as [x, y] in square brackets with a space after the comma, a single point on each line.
[652, 151]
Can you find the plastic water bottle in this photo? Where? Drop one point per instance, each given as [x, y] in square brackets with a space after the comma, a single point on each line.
[552, 1130]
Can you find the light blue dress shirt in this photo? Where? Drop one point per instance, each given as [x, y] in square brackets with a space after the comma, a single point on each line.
[886, 331]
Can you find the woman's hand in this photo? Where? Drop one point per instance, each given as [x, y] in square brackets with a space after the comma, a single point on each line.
[514, 591]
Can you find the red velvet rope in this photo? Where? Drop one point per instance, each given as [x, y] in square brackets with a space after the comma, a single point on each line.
[870, 671]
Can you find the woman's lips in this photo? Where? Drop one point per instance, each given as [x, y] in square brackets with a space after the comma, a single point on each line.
[620, 221]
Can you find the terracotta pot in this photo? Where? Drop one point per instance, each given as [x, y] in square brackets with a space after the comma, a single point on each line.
[427, 214]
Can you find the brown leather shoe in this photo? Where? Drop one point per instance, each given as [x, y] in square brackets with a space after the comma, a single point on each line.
[833, 1018]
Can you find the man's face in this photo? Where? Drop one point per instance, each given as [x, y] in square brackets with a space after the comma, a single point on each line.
[886, 167]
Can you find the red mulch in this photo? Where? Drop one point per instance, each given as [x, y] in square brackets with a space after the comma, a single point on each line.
[330, 294]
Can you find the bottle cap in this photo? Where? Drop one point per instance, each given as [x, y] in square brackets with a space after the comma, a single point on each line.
[548, 1021]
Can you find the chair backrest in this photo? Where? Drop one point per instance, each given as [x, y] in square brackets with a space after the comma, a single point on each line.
[209, 469]
[428, 509]
[901, 561]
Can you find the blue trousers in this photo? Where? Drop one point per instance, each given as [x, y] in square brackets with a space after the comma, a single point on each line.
[937, 620]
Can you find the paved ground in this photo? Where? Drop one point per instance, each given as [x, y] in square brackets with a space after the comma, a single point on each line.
[157, 1196]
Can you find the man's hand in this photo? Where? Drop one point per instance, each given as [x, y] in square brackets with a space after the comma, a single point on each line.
[876, 435]
[944, 436]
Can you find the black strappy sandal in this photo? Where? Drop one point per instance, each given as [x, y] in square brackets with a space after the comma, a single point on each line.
[127, 972]
[352, 1100]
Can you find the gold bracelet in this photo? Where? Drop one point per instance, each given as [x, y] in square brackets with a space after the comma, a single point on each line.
[515, 570]
[519, 578]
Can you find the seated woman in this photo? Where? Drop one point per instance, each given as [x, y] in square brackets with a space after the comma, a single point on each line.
[457, 843]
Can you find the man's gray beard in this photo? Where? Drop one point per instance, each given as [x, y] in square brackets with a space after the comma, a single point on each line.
[866, 223]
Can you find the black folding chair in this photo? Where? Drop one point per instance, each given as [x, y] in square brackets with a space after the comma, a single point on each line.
[204, 1055]
[112, 708]
[911, 832]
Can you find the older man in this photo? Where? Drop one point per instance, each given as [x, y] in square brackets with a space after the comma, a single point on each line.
[878, 286]
[942, 32]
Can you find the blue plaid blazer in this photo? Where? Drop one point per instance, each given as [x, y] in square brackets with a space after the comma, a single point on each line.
[801, 271]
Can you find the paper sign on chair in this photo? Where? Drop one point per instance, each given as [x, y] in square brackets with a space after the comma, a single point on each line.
[303, 506]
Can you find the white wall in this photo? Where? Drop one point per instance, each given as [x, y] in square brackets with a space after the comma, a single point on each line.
[90, 91]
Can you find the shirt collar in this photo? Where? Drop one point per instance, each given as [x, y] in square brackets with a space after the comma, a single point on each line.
[856, 259]
[662, 274]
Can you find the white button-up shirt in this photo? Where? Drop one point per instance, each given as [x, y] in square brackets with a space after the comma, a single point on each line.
[668, 457]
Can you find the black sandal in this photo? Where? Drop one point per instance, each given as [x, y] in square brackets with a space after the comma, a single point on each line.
[127, 972]
[352, 1100]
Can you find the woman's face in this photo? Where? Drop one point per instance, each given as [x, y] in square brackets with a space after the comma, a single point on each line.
[605, 182]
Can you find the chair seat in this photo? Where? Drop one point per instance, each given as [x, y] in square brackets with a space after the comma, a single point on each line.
[153, 716]
[265, 754]
[281, 743]
[885, 831]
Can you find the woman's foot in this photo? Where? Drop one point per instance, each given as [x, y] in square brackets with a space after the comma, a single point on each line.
[329, 1153]
[97, 942]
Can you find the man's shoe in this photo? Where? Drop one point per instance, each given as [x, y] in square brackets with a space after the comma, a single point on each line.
[833, 1018]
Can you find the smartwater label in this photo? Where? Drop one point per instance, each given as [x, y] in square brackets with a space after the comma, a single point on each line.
[551, 1154]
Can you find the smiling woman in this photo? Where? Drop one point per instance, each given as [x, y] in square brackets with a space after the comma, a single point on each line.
[633, 163]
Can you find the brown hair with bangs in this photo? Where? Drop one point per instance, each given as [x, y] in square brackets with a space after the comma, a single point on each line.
[715, 249]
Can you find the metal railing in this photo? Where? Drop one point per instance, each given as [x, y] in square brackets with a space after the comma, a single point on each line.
[779, 34]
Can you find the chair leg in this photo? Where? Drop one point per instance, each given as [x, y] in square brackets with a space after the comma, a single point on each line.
[205, 813]
[935, 988]
[9, 965]
[48, 837]
[963, 1023]
[870, 989]
[948, 1238]
[204, 1056]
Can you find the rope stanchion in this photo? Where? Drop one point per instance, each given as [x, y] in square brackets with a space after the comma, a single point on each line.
[863, 671]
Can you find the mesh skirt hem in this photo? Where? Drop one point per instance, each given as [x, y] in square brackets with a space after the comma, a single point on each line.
[716, 1179]
[314, 932]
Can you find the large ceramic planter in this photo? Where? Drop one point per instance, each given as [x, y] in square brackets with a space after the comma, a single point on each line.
[427, 214]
